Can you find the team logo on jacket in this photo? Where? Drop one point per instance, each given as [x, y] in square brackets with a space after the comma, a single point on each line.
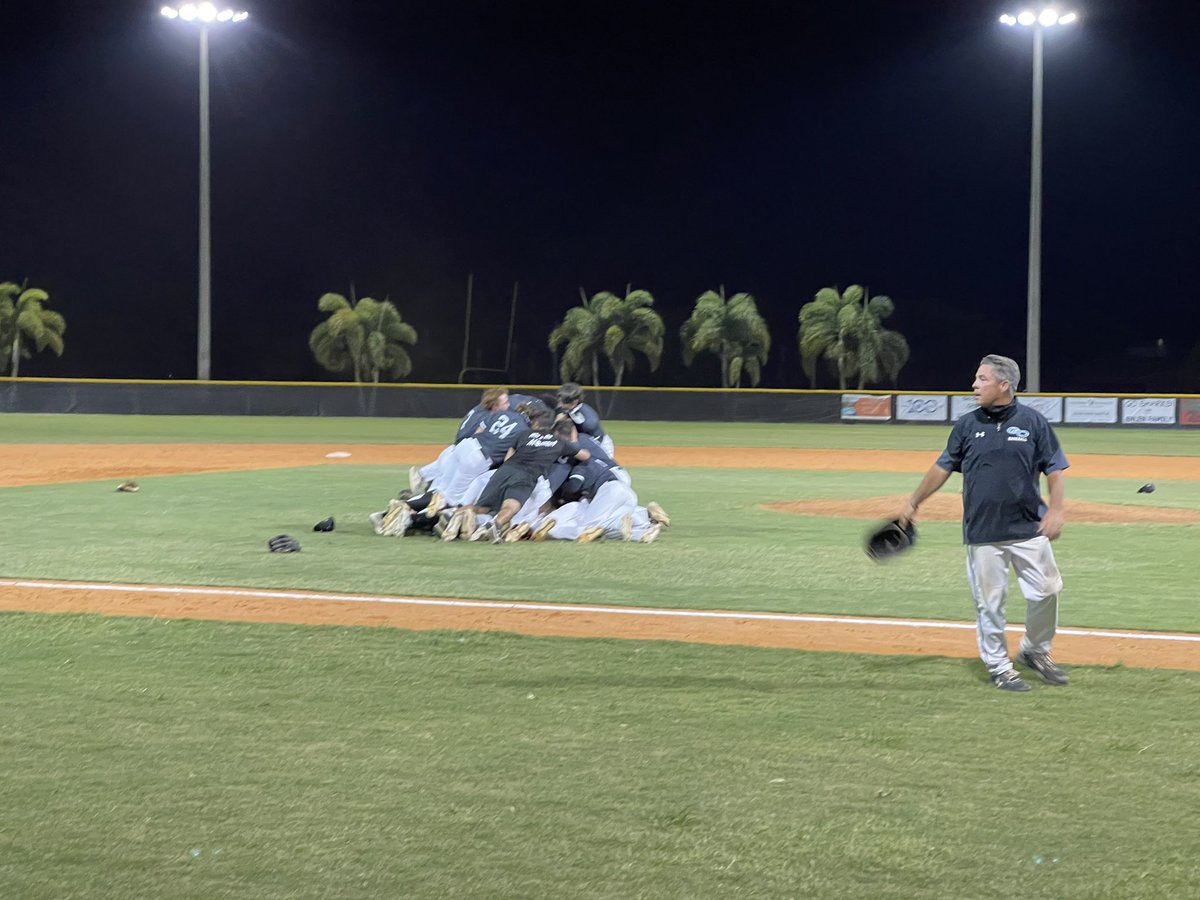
[1017, 434]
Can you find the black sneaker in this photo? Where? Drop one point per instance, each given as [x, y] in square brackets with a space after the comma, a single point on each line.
[1043, 665]
[1010, 681]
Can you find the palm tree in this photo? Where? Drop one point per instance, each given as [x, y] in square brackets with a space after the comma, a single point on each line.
[582, 333]
[615, 327]
[364, 337]
[25, 320]
[632, 327]
[881, 352]
[825, 326]
[845, 329]
[732, 330]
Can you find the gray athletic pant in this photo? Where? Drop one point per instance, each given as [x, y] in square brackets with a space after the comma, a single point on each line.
[1040, 582]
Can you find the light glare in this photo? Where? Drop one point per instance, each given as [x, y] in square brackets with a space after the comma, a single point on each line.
[207, 12]
[1026, 17]
[225, 15]
[241, 16]
[1048, 17]
[1006, 19]
[1068, 19]
[187, 12]
[170, 12]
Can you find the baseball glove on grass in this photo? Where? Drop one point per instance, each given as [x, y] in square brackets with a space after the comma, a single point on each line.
[283, 543]
[890, 539]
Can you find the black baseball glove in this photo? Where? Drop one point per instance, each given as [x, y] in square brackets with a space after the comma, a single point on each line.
[324, 525]
[284, 543]
[889, 539]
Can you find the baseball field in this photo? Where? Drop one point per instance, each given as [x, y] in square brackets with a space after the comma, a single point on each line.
[746, 707]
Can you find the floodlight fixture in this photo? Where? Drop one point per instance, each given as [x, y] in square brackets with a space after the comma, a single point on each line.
[204, 13]
[1047, 17]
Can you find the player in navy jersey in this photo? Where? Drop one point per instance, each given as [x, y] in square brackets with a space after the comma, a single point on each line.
[513, 483]
[586, 419]
[598, 503]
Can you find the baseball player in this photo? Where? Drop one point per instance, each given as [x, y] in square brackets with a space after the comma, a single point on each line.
[512, 485]
[599, 503]
[497, 398]
[1002, 449]
[586, 419]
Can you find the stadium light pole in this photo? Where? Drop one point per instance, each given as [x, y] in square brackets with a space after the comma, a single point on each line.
[1038, 21]
[204, 15]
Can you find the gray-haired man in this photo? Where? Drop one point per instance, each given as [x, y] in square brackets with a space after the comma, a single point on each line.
[1002, 450]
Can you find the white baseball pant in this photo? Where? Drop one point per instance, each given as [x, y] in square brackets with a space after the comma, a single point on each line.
[1040, 583]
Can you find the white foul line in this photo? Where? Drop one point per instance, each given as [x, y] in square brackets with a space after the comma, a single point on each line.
[563, 608]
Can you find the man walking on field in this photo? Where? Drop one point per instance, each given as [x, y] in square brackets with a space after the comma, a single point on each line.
[1002, 449]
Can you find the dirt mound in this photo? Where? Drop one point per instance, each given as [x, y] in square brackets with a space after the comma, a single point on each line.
[948, 508]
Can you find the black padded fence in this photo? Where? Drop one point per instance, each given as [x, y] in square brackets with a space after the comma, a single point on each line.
[399, 401]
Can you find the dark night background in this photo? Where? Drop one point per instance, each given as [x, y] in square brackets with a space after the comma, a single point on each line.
[773, 147]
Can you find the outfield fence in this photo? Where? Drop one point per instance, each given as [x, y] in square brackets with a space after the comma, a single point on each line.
[233, 398]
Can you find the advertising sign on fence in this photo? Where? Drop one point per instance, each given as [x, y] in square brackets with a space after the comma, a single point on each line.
[960, 406]
[1148, 411]
[920, 408]
[1050, 407]
[866, 407]
[1189, 411]
[1092, 410]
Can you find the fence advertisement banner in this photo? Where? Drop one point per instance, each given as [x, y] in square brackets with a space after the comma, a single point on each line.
[920, 408]
[960, 406]
[1092, 410]
[1148, 411]
[1050, 407]
[1189, 410]
[866, 407]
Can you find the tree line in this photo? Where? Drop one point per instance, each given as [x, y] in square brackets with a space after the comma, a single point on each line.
[840, 332]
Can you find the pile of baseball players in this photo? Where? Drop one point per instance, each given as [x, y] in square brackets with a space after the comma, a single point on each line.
[524, 468]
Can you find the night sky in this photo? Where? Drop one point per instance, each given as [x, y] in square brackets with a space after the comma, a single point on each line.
[773, 147]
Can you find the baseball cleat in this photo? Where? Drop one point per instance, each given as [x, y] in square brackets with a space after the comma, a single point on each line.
[517, 533]
[590, 534]
[376, 519]
[453, 528]
[543, 530]
[1043, 665]
[651, 534]
[416, 483]
[444, 517]
[396, 522]
[1010, 681]
[437, 502]
[468, 522]
[627, 527]
[657, 514]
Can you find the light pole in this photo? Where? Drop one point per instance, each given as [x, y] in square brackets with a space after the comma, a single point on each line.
[1039, 21]
[204, 15]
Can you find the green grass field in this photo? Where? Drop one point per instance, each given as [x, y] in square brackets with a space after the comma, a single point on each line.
[156, 758]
